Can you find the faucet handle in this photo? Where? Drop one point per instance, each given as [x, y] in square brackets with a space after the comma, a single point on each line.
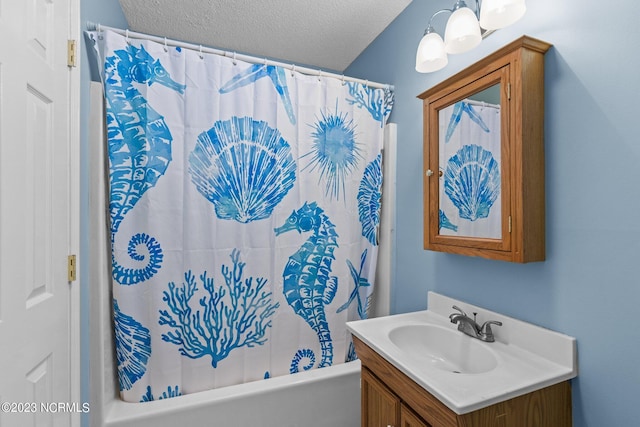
[455, 307]
[486, 331]
[452, 316]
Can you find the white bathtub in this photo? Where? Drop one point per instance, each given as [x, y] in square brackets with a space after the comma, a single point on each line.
[324, 397]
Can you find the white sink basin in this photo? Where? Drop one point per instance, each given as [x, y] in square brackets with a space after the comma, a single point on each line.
[465, 373]
[445, 349]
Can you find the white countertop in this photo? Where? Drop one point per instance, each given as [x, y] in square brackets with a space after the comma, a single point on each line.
[529, 357]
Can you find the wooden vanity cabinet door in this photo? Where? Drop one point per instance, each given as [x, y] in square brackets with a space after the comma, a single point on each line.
[409, 419]
[380, 407]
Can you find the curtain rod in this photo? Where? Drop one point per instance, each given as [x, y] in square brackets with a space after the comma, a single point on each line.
[480, 103]
[92, 26]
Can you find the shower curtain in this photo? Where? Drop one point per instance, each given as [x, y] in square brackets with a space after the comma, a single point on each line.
[244, 204]
[469, 134]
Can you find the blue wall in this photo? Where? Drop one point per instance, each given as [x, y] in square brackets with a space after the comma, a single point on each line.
[109, 13]
[589, 286]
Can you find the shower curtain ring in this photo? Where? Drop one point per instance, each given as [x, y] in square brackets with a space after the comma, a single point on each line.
[319, 75]
[165, 45]
[293, 69]
[126, 36]
[200, 53]
[342, 80]
[234, 59]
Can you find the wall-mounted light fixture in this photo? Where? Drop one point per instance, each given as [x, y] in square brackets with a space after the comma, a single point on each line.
[463, 31]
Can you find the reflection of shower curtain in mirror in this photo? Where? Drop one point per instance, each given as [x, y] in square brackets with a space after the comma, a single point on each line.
[469, 149]
[244, 204]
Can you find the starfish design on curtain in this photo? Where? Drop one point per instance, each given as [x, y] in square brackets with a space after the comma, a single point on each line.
[258, 71]
[458, 109]
[359, 282]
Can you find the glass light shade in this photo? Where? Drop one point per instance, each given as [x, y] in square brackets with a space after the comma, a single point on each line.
[462, 32]
[495, 14]
[431, 56]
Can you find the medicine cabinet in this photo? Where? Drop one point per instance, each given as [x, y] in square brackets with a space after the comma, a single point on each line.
[484, 157]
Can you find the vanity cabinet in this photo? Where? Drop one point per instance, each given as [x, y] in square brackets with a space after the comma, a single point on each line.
[408, 418]
[390, 398]
[484, 157]
[381, 407]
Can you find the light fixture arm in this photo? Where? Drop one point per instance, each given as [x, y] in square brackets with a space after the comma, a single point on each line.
[460, 3]
[429, 26]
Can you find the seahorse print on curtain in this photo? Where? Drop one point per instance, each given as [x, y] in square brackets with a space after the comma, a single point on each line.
[308, 286]
[139, 148]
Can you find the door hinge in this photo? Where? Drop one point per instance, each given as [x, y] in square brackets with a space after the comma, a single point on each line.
[71, 268]
[71, 53]
[509, 223]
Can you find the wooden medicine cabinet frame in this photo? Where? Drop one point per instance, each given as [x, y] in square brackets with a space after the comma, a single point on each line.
[518, 233]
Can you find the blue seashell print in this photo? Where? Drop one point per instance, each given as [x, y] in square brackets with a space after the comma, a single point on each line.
[256, 72]
[378, 102]
[472, 181]
[133, 348]
[458, 109]
[335, 151]
[369, 199]
[244, 167]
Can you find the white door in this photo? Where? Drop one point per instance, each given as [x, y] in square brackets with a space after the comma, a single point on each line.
[38, 218]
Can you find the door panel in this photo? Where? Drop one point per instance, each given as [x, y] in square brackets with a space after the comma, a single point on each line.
[35, 213]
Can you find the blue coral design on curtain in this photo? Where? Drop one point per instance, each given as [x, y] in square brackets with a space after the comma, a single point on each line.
[245, 203]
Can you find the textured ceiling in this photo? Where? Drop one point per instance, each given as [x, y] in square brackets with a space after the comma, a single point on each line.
[327, 34]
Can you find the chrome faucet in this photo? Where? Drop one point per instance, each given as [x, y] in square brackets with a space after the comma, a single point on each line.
[470, 327]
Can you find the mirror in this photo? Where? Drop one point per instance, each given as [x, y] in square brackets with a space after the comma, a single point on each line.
[483, 153]
[469, 202]
[470, 166]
